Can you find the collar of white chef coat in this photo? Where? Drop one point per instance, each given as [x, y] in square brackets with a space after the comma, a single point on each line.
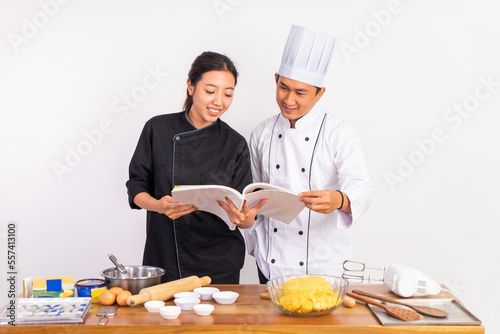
[306, 121]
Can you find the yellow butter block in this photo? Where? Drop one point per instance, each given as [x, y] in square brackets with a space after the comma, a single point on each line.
[68, 282]
[61, 287]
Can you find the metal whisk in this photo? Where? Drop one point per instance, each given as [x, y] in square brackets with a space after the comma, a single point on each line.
[355, 271]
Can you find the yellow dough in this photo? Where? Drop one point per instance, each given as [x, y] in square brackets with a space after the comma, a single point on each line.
[308, 294]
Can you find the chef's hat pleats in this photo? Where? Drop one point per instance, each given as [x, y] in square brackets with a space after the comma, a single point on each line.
[307, 55]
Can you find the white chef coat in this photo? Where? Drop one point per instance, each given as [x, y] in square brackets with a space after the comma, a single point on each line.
[321, 152]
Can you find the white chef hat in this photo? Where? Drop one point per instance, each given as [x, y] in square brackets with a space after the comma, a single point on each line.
[307, 55]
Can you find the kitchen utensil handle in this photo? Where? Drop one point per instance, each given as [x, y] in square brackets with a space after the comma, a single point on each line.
[138, 299]
[101, 322]
[205, 280]
[117, 263]
[348, 301]
[378, 297]
[364, 299]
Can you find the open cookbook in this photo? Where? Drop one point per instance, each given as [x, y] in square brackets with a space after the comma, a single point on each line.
[283, 205]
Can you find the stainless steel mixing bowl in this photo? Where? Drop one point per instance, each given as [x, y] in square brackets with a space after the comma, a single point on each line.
[136, 278]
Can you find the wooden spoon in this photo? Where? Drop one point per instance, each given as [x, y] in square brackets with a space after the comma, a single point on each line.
[433, 312]
[396, 312]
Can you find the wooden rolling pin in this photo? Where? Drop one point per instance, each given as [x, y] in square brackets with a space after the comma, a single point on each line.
[348, 301]
[167, 290]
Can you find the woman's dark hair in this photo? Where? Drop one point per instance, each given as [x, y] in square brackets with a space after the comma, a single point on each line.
[206, 62]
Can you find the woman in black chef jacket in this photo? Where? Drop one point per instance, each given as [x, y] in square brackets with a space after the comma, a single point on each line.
[193, 147]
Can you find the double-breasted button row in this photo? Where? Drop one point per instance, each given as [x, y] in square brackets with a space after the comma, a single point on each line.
[281, 136]
[303, 170]
[276, 230]
[278, 166]
[300, 263]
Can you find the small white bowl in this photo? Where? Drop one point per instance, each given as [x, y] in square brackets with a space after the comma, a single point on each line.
[154, 306]
[188, 294]
[170, 312]
[225, 297]
[203, 309]
[206, 292]
[186, 304]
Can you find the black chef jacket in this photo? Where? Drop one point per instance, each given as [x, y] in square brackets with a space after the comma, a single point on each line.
[171, 151]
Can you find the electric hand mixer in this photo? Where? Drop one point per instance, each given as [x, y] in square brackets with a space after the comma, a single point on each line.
[400, 279]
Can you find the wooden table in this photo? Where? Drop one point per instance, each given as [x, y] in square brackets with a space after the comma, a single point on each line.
[250, 314]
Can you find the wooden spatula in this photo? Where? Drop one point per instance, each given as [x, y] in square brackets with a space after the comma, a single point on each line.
[433, 312]
[396, 312]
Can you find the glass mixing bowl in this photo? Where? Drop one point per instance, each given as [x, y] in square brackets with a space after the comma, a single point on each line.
[307, 295]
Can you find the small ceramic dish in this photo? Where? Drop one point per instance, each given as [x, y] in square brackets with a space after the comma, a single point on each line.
[225, 297]
[206, 292]
[188, 294]
[170, 312]
[154, 306]
[203, 309]
[186, 304]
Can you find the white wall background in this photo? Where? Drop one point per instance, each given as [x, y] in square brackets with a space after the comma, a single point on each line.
[411, 77]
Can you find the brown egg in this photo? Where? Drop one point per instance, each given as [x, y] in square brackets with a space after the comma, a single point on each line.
[121, 299]
[116, 290]
[107, 297]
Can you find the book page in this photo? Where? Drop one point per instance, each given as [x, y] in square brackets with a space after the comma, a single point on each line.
[256, 186]
[205, 198]
[282, 205]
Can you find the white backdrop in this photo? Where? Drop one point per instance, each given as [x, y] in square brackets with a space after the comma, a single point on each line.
[419, 81]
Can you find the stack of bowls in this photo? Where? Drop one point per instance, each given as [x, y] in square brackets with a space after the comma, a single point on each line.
[186, 300]
[206, 292]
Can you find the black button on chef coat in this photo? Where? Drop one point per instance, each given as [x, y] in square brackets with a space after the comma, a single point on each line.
[171, 151]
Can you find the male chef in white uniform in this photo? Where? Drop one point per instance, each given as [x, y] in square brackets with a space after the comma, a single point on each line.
[313, 153]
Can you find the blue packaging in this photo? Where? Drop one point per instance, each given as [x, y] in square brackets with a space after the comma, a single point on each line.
[90, 287]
